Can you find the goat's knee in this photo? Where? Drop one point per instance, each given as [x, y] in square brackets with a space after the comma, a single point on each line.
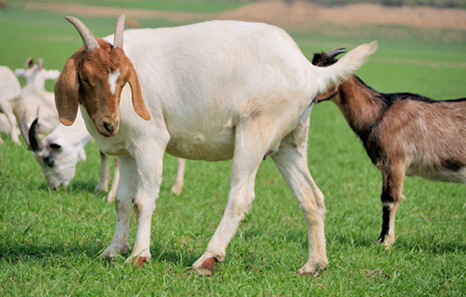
[240, 206]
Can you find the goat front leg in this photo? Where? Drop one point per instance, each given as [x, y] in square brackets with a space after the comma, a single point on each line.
[149, 165]
[246, 161]
[125, 194]
[393, 177]
[179, 180]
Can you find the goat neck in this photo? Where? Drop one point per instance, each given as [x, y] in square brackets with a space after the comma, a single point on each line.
[361, 106]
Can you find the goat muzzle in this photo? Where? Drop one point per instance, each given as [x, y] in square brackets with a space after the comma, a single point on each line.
[107, 127]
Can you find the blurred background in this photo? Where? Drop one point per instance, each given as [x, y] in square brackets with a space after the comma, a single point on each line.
[410, 32]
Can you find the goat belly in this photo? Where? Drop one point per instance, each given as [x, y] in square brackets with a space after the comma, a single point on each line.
[444, 172]
[199, 146]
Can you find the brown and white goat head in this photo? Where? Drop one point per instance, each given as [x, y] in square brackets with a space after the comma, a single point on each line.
[324, 60]
[94, 77]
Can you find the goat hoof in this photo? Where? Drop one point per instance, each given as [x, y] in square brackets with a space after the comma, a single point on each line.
[176, 190]
[138, 261]
[207, 267]
[312, 269]
[111, 252]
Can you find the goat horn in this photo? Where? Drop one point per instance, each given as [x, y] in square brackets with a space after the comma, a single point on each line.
[336, 51]
[88, 38]
[36, 143]
[29, 63]
[120, 27]
[25, 131]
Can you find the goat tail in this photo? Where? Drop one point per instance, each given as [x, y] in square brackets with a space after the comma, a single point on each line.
[329, 77]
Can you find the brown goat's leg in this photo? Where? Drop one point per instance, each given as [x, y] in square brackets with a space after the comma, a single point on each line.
[393, 178]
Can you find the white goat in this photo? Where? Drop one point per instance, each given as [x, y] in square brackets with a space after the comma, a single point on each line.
[60, 151]
[11, 103]
[214, 91]
[36, 98]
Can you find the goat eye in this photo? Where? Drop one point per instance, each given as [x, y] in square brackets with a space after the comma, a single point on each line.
[55, 146]
[87, 82]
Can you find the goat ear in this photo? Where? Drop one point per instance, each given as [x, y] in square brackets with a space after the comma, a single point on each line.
[138, 102]
[67, 90]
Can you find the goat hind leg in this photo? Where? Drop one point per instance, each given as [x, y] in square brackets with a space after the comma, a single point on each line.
[116, 178]
[291, 161]
[8, 111]
[104, 174]
[179, 180]
[246, 161]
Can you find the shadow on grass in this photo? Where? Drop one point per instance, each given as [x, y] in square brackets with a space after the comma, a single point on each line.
[181, 256]
[73, 188]
[401, 244]
[435, 248]
[15, 252]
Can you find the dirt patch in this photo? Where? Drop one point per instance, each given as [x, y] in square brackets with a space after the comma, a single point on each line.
[302, 13]
[77, 9]
[298, 15]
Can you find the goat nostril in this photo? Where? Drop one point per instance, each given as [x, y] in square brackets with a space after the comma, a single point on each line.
[110, 127]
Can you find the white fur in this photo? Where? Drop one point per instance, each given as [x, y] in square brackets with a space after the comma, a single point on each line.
[39, 102]
[215, 91]
[10, 98]
[112, 79]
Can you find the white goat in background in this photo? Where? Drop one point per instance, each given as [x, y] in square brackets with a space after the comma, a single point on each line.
[36, 98]
[11, 103]
[60, 151]
[212, 91]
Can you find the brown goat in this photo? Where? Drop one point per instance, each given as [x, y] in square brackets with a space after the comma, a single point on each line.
[403, 134]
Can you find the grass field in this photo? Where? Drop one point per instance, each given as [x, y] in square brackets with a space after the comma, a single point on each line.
[50, 241]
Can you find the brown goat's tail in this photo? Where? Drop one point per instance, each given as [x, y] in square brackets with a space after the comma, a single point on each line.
[328, 77]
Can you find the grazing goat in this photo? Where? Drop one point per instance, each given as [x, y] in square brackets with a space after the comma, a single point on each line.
[60, 151]
[36, 98]
[212, 91]
[403, 134]
[11, 102]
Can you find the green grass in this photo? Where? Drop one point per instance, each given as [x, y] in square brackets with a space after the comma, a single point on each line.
[50, 241]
